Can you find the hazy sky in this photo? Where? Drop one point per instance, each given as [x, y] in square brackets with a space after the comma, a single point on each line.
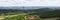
[29, 2]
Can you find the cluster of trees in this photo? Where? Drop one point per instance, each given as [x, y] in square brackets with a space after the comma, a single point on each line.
[46, 13]
[10, 11]
[42, 12]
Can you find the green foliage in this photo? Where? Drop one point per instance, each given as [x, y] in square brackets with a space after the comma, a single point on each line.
[49, 13]
[19, 17]
[44, 12]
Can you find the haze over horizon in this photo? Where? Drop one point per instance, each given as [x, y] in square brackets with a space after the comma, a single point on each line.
[28, 7]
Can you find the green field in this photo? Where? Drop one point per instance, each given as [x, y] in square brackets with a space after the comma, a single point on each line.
[21, 17]
[48, 18]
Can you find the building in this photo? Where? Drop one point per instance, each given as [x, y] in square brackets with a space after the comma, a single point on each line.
[33, 17]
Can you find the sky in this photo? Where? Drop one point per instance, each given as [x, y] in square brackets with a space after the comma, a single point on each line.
[29, 2]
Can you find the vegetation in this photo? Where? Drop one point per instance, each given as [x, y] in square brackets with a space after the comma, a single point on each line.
[44, 13]
[47, 13]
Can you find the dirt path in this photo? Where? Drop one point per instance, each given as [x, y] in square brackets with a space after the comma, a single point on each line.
[2, 17]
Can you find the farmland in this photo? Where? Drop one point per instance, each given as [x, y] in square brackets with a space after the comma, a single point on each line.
[44, 14]
[21, 17]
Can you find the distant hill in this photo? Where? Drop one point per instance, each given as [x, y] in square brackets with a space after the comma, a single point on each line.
[29, 9]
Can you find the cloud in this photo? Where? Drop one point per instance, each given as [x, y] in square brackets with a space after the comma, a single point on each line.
[29, 2]
[54, 3]
[22, 2]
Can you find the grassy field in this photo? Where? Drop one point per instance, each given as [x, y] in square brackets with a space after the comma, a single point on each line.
[48, 18]
[13, 17]
[21, 17]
